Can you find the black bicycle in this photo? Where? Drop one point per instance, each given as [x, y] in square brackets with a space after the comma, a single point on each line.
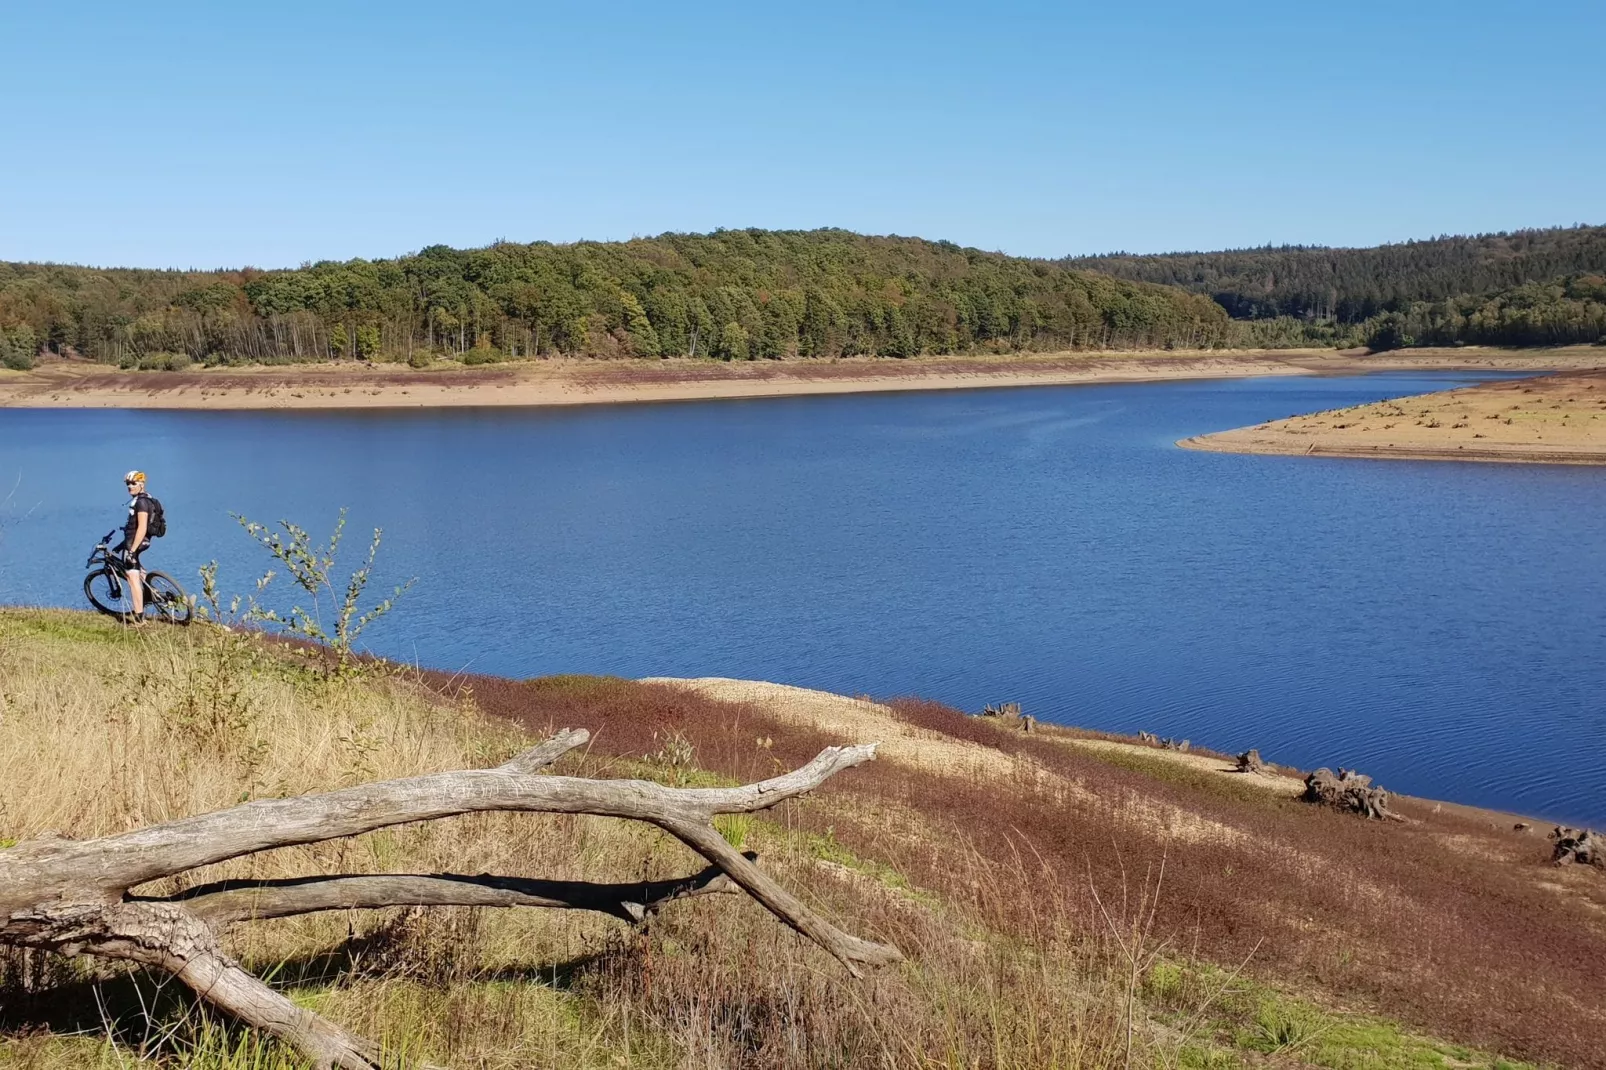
[108, 589]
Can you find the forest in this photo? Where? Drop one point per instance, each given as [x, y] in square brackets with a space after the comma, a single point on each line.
[732, 294]
[1350, 286]
[1564, 311]
[760, 295]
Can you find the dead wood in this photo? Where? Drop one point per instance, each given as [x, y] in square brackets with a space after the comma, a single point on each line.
[1583, 846]
[1349, 791]
[1250, 762]
[74, 897]
[1009, 711]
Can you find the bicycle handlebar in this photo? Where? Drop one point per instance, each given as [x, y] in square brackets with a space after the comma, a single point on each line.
[101, 547]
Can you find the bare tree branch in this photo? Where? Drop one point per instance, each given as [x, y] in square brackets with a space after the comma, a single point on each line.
[544, 754]
[74, 897]
[111, 865]
[171, 939]
[227, 902]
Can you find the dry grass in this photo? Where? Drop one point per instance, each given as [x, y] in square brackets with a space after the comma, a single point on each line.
[1028, 946]
[1470, 941]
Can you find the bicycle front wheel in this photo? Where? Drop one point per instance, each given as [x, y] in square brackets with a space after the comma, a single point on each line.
[166, 600]
[108, 592]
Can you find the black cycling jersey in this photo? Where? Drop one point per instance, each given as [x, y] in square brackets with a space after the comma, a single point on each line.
[139, 504]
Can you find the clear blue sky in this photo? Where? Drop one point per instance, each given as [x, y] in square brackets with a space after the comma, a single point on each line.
[208, 135]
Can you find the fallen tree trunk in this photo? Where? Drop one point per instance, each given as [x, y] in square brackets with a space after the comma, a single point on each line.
[74, 897]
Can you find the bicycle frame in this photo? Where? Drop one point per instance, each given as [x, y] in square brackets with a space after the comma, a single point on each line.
[102, 555]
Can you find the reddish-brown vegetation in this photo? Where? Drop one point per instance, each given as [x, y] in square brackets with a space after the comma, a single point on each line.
[1452, 921]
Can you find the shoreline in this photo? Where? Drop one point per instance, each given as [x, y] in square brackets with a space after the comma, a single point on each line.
[1551, 419]
[859, 719]
[567, 382]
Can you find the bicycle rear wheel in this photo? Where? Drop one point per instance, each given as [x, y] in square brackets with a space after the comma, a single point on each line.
[166, 600]
[108, 592]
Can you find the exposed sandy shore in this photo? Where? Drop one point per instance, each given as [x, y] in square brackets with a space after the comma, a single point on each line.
[860, 720]
[1554, 419]
[62, 384]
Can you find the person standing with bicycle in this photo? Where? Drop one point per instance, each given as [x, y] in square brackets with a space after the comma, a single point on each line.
[142, 513]
[118, 584]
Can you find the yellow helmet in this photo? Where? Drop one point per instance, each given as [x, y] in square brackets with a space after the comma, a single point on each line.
[136, 476]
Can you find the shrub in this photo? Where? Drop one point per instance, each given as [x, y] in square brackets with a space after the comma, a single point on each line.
[163, 362]
[18, 347]
[310, 566]
[1388, 332]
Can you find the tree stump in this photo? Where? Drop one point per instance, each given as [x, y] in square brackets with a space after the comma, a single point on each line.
[1009, 711]
[1148, 737]
[1176, 745]
[1583, 846]
[1351, 792]
[1249, 762]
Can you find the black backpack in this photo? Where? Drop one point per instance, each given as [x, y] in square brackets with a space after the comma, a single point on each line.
[158, 524]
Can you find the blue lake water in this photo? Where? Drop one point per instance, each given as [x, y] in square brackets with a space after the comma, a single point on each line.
[1441, 626]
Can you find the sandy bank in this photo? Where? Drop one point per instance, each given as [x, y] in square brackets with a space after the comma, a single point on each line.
[1555, 419]
[63, 384]
[858, 720]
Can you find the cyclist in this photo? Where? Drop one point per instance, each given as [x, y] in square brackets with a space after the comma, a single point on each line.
[136, 539]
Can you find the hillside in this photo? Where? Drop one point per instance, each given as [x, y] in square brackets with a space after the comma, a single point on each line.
[1350, 286]
[1063, 899]
[733, 294]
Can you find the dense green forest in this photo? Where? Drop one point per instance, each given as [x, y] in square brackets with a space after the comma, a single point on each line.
[1560, 312]
[755, 294]
[735, 294]
[1350, 286]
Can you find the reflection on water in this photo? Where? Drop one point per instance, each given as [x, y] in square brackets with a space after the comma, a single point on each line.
[1438, 625]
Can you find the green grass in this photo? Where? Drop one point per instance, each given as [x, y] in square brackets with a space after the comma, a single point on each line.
[66, 626]
[1245, 1021]
[826, 848]
[1229, 787]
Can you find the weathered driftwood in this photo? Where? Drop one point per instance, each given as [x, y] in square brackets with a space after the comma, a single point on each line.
[1349, 791]
[1250, 762]
[1176, 744]
[1007, 710]
[1148, 737]
[1583, 846]
[74, 897]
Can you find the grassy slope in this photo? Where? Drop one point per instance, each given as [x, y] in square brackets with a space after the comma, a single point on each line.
[1018, 883]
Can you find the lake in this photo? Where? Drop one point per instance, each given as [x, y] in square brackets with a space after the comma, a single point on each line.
[1440, 626]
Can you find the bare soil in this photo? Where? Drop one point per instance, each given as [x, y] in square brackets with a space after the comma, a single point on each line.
[75, 384]
[1554, 419]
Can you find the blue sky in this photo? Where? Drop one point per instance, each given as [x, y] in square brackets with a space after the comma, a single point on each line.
[209, 135]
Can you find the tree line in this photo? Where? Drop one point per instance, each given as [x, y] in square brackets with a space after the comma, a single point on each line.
[1565, 311]
[732, 295]
[1351, 286]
